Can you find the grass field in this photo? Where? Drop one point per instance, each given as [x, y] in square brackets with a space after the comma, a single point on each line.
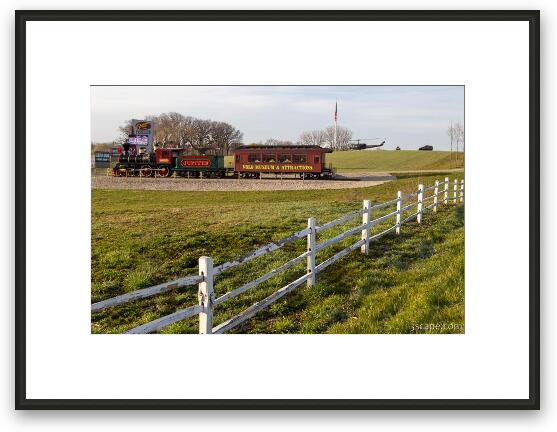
[140, 238]
[389, 160]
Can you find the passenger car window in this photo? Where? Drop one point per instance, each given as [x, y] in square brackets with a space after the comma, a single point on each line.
[299, 158]
[284, 158]
[269, 158]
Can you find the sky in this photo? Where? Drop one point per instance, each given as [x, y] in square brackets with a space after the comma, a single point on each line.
[406, 116]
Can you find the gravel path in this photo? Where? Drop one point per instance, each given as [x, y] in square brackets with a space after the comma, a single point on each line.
[181, 184]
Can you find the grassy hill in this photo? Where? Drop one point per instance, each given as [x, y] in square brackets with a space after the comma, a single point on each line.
[141, 238]
[388, 160]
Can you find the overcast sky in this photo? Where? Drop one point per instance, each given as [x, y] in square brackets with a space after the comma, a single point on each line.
[407, 116]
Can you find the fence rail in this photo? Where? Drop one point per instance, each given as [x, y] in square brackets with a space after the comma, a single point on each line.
[205, 279]
[146, 292]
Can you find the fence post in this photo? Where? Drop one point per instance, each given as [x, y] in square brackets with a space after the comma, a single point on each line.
[455, 191]
[435, 192]
[206, 295]
[311, 252]
[462, 190]
[446, 199]
[398, 214]
[420, 202]
[366, 218]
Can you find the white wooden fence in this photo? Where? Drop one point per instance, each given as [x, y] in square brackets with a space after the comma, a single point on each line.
[208, 272]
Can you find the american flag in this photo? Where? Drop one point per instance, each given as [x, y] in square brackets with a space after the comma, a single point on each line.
[335, 111]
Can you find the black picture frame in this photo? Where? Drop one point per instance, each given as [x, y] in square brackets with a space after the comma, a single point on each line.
[531, 16]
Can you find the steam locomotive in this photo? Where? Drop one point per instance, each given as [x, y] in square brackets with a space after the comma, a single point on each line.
[163, 162]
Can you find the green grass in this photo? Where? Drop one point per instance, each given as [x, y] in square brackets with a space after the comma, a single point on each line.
[390, 160]
[140, 238]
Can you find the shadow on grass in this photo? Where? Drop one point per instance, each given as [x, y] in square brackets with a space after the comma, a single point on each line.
[343, 288]
[415, 243]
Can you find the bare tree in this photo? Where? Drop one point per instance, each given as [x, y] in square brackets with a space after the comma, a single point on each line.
[163, 129]
[124, 130]
[343, 137]
[272, 142]
[451, 132]
[226, 137]
[202, 135]
[462, 138]
[174, 130]
[459, 137]
[278, 142]
[314, 137]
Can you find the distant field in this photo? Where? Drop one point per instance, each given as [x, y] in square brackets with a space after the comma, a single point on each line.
[388, 160]
[141, 238]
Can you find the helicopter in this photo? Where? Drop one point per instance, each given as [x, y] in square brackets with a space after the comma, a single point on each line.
[356, 144]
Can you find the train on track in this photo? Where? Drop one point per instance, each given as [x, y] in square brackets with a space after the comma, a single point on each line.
[251, 161]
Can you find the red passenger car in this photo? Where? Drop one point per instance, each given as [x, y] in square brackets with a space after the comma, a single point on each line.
[305, 161]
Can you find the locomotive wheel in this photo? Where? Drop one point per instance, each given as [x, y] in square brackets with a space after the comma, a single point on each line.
[146, 171]
[164, 171]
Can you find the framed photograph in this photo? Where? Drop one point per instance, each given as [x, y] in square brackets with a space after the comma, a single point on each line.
[268, 210]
